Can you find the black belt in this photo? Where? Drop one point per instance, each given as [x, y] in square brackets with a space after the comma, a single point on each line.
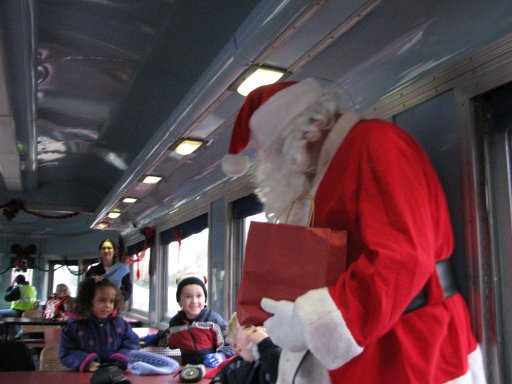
[444, 272]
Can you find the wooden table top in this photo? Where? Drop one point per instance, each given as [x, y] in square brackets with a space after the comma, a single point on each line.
[66, 377]
[29, 321]
[41, 321]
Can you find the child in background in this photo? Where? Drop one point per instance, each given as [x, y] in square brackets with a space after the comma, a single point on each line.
[197, 330]
[257, 356]
[95, 334]
[58, 303]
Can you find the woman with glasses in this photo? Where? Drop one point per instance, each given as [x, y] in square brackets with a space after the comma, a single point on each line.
[111, 267]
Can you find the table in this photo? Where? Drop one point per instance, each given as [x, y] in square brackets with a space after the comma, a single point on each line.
[6, 322]
[66, 377]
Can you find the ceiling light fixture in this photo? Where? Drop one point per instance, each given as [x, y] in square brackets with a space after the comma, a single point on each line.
[256, 77]
[186, 146]
[102, 225]
[129, 200]
[114, 213]
[151, 179]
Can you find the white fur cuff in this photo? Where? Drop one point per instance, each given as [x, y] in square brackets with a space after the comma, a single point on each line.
[325, 330]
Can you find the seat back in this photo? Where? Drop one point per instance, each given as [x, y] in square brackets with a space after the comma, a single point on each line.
[33, 314]
[34, 335]
[15, 356]
[49, 359]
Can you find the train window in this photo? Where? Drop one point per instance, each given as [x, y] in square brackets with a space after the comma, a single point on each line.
[259, 217]
[185, 249]
[493, 123]
[65, 274]
[190, 255]
[140, 278]
[28, 274]
[245, 210]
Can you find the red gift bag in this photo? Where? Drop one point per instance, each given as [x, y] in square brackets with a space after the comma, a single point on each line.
[284, 261]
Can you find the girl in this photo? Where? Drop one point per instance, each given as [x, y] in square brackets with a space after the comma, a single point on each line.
[95, 334]
[110, 266]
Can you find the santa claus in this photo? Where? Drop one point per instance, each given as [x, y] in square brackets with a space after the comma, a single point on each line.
[394, 315]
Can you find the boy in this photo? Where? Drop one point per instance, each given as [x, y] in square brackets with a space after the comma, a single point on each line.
[197, 330]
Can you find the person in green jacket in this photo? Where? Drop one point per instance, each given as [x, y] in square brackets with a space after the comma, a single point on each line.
[21, 295]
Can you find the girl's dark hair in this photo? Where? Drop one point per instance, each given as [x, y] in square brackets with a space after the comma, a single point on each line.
[86, 292]
[114, 246]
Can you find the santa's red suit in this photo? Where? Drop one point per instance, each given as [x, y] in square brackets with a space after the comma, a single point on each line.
[380, 186]
[375, 182]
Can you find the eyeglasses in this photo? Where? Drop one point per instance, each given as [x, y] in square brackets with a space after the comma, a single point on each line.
[106, 248]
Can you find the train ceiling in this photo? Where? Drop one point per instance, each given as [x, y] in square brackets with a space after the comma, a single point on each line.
[94, 94]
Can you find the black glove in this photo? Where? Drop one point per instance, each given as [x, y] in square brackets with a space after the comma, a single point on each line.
[118, 362]
[109, 374]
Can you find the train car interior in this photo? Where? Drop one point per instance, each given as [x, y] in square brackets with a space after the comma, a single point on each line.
[96, 96]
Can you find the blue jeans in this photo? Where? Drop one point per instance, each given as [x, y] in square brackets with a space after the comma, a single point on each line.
[11, 313]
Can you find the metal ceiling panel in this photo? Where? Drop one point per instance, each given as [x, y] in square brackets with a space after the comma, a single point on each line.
[98, 90]
[90, 82]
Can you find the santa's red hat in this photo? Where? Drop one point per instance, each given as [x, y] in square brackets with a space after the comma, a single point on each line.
[265, 113]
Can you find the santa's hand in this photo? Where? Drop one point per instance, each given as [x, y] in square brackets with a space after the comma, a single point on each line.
[284, 327]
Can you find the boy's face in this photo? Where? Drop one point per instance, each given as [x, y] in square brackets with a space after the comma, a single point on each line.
[242, 344]
[192, 300]
[103, 302]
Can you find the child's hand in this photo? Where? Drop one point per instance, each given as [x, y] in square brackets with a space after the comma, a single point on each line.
[93, 366]
[258, 334]
[148, 339]
[213, 359]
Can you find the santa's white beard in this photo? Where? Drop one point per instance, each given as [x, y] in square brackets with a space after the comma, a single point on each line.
[286, 167]
[279, 184]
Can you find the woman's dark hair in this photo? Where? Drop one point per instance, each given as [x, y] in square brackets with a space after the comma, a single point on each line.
[114, 246]
[86, 292]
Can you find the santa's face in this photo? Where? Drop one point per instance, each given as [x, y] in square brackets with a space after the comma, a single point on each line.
[287, 166]
[279, 185]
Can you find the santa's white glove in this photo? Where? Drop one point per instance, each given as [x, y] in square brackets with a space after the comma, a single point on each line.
[284, 328]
